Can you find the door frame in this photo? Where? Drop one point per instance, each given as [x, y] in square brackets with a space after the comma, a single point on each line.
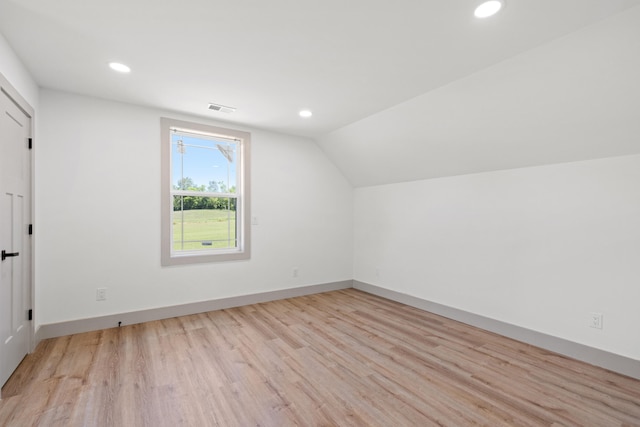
[27, 109]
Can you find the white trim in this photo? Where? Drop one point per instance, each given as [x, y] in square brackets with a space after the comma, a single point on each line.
[203, 194]
[611, 361]
[53, 330]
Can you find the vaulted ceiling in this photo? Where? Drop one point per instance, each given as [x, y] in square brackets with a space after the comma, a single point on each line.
[399, 90]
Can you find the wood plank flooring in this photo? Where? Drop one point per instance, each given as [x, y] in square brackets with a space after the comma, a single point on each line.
[343, 358]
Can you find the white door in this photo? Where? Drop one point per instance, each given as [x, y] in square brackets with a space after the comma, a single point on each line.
[15, 242]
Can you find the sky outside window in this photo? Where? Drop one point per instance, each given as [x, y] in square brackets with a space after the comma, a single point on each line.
[204, 160]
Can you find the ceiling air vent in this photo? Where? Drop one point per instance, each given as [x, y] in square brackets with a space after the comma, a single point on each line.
[221, 108]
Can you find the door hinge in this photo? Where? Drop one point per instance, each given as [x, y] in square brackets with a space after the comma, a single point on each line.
[30, 229]
[30, 143]
[30, 316]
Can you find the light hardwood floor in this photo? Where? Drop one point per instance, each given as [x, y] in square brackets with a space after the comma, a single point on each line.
[339, 358]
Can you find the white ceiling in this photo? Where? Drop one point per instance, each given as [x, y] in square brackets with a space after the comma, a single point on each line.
[574, 98]
[348, 61]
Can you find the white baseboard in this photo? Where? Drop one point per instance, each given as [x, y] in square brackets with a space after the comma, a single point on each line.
[52, 330]
[593, 356]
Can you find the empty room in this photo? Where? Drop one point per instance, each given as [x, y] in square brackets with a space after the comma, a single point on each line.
[355, 213]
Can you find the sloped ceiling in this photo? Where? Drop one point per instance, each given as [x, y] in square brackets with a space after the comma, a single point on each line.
[400, 90]
[575, 98]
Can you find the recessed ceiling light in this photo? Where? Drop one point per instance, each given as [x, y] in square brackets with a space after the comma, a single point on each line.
[305, 113]
[121, 68]
[488, 8]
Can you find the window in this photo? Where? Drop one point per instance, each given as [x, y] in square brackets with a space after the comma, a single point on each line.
[205, 193]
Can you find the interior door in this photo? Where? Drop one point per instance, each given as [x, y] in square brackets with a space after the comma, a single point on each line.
[15, 243]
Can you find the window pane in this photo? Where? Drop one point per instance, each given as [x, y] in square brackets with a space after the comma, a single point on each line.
[206, 193]
[203, 163]
[203, 223]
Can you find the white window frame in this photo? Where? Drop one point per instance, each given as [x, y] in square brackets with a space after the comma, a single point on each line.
[243, 190]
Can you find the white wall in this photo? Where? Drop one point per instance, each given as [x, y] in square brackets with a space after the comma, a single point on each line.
[537, 247]
[15, 72]
[99, 221]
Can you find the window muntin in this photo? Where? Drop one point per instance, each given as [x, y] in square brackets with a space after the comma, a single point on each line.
[205, 193]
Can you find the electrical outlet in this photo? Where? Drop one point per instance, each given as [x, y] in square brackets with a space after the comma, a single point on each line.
[294, 272]
[595, 320]
[101, 294]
